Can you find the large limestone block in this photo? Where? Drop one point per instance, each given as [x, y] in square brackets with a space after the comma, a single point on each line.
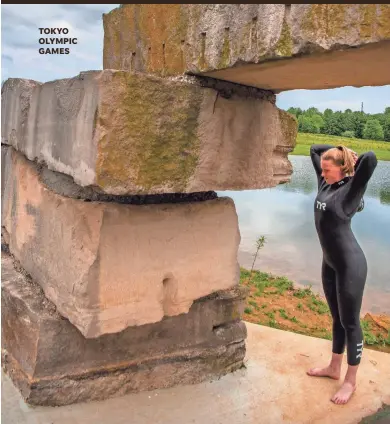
[51, 363]
[126, 133]
[107, 266]
[240, 42]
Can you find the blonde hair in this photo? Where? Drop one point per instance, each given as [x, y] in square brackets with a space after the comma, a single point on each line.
[341, 156]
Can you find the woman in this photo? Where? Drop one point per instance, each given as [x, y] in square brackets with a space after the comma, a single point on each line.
[342, 182]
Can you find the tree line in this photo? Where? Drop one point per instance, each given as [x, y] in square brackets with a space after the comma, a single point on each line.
[345, 124]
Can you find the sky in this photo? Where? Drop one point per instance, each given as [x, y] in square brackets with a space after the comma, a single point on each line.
[20, 57]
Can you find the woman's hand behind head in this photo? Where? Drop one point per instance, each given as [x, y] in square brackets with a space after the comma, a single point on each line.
[354, 156]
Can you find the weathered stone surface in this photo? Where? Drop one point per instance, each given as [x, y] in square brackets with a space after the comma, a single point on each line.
[51, 363]
[240, 42]
[107, 266]
[126, 133]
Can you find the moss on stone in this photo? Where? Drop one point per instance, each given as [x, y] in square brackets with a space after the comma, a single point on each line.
[284, 46]
[244, 42]
[159, 30]
[325, 20]
[309, 23]
[289, 127]
[224, 60]
[112, 42]
[367, 21]
[336, 23]
[330, 20]
[159, 34]
[202, 64]
[192, 15]
[383, 19]
[155, 141]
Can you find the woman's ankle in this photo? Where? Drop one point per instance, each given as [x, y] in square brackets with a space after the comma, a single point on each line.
[336, 361]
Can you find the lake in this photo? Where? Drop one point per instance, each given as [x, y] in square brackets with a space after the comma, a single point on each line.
[285, 216]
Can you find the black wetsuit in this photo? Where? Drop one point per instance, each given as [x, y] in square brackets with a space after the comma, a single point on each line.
[344, 266]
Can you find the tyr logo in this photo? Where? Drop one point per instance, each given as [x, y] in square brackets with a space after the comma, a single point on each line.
[320, 205]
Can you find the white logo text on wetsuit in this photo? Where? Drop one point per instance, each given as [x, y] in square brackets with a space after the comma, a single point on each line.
[359, 350]
[320, 205]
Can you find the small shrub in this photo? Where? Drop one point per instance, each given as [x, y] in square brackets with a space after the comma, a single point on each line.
[348, 134]
[272, 323]
[283, 314]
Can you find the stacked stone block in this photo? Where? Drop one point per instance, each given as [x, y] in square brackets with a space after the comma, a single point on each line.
[277, 47]
[119, 267]
[118, 244]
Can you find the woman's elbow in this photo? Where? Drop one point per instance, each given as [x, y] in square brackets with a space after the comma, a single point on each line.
[372, 158]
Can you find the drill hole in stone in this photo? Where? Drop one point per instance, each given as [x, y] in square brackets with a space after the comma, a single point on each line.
[169, 295]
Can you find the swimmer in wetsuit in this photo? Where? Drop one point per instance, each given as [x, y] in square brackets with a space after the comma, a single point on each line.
[342, 182]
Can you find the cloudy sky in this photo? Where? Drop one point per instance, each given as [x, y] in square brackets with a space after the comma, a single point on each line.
[20, 57]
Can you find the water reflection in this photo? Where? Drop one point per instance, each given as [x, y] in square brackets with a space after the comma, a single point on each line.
[284, 214]
[384, 196]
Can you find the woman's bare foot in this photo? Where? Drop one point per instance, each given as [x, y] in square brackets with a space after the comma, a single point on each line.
[344, 394]
[325, 372]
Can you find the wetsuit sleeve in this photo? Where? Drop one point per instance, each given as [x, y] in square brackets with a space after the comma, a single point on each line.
[364, 168]
[316, 151]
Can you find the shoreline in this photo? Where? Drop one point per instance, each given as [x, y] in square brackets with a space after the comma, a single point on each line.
[375, 300]
[277, 302]
[305, 140]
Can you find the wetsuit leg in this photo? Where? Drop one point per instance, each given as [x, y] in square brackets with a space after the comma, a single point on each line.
[329, 282]
[350, 286]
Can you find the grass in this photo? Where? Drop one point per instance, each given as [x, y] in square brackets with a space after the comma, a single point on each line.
[304, 141]
[275, 302]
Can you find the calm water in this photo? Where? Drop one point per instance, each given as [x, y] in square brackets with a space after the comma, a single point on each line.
[284, 214]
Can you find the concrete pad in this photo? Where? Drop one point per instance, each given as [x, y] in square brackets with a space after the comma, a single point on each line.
[273, 389]
[254, 44]
[107, 266]
[127, 133]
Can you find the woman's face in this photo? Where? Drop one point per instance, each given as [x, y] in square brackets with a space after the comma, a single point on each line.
[331, 172]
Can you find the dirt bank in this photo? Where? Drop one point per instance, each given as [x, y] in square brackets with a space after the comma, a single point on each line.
[275, 302]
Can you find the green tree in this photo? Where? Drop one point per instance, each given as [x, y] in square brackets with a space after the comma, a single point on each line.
[359, 120]
[297, 111]
[327, 113]
[318, 122]
[312, 111]
[386, 129]
[381, 117]
[373, 130]
[349, 122]
[307, 125]
[334, 124]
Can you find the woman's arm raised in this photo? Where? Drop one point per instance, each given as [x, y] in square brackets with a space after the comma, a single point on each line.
[316, 151]
[364, 168]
